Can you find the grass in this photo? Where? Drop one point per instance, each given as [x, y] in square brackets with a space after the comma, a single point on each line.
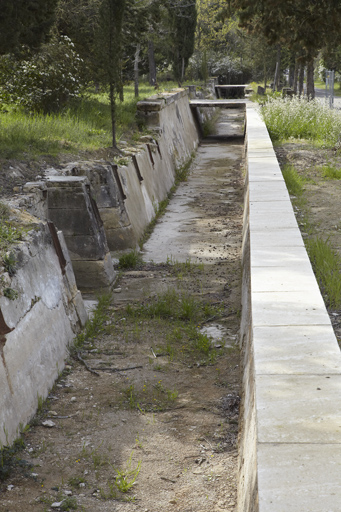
[149, 397]
[9, 234]
[321, 85]
[84, 125]
[132, 259]
[293, 180]
[325, 260]
[173, 305]
[182, 316]
[329, 171]
[94, 326]
[297, 118]
[10, 457]
[326, 263]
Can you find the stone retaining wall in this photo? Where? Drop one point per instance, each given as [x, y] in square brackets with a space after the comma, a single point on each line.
[290, 449]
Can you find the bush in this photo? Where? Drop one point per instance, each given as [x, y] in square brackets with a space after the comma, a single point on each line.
[42, 82]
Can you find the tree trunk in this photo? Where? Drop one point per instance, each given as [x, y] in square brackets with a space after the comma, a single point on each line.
[152, 65]
[294, 85]
[182, 69]
[301, 79]
[265, 75]
[136, 69]
[292, 68]
[278, 70]
[113, 114]
[310, 79]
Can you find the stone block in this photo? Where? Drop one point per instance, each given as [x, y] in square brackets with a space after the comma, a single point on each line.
[294, 349]
[74, 222]
[66, 199]
[86, 247]
[95, 275]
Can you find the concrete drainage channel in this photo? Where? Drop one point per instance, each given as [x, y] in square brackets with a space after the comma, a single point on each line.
[288, 441]
[187, 445]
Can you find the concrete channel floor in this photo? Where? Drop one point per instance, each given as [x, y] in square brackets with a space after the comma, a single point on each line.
[196, 225]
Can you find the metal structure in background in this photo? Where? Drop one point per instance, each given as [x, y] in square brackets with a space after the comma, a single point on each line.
[330, 75]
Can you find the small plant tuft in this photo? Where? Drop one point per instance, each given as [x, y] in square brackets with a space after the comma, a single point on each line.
[126, 478]
[132, 259]
[293, 180]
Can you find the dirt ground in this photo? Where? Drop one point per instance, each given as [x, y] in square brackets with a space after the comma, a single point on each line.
[159, 419]
[322, 196]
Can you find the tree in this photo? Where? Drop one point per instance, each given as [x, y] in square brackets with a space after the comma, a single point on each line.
[304, 26]
[109, 52]
[25, 22]
[183, 20]
[79, 20]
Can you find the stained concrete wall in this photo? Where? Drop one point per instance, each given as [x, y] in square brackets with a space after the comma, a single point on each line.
[290, 456]
[36, 326]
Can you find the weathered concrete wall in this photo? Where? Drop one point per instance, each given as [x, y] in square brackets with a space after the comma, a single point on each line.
[290, 457]
[36, 326]
[70, 206]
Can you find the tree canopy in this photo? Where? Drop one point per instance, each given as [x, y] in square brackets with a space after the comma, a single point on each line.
[25, 22]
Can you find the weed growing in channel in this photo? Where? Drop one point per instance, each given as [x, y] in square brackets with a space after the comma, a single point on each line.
[96, 325]
[184, 268]
[151, 398]
[174, 305]
[126, 478]
[10, 458]
[132, 259]
[330, 172]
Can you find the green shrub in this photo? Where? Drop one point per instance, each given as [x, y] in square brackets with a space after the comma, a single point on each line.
[45, 81]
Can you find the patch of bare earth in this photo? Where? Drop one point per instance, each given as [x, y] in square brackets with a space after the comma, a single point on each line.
[322, 197]
[162, 413]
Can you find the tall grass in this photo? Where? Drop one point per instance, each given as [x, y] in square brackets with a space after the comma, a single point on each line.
[301, 119]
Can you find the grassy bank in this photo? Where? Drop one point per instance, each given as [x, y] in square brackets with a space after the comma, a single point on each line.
[85, 125]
